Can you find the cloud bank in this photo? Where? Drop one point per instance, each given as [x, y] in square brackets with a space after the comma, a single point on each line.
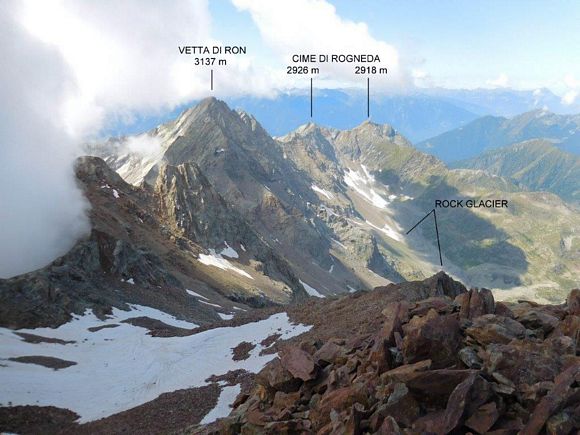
[313, 26]
[42, 212]
[502, 81]
[124, 56]
[572, 91]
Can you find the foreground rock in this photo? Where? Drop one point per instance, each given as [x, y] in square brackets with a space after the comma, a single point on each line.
[450, 363]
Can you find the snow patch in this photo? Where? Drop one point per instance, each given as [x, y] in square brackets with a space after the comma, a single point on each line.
[123, 367]
[338, 243]
[353, 221]
[362, 184]
[209, 303]
[386, 229]
[228, 251]
[224, 405]
[152, 313]
[216, 260]
[226, 316]
[322, 191]
[197, 295]
[328, 210]
[311, 290]
[115, 193]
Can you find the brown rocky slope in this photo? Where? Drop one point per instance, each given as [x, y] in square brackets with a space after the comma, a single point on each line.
[420, 358]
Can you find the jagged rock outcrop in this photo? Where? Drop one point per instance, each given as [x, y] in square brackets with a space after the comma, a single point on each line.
[115, 256]
[448, 363]
[190, 204]
[137, 252]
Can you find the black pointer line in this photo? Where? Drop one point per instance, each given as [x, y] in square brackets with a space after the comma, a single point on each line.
[417, 224]
[211, 79]
[436, 231]
[311, 97]
[438, 242]
[368, 97]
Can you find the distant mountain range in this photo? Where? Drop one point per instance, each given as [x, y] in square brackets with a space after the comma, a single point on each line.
[490, 132]
[418, 115]
[504, 101]
[535, 164]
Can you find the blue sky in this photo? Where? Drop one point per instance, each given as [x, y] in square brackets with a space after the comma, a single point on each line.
[117, 63]
[453, 44]
[526, 44]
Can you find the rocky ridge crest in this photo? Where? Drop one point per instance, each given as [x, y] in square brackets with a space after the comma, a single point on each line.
[441, 360]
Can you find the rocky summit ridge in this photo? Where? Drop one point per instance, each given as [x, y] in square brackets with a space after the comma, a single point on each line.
[436, 359]
[419, 357]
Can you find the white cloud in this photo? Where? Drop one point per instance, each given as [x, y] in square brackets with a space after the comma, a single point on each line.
[313, 26]
[125, 58]
[42, 212]
[502, 81]
[143, 144]
[570, 97]
[571, 82]
[422, 79]
[573, 90]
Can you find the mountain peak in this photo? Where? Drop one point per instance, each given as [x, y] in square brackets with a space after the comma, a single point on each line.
[374, 128]
[209, 101]
[209, 105]
[540, 112]
[213, 103]
[306, 128]
[209, 111]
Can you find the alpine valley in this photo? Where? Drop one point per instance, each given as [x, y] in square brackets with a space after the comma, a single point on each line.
[332, 207]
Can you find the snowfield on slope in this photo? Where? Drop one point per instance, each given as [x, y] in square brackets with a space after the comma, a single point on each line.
[228, 251]
[223, 406]
[194, 294]
[321, 191]
[386, 229]
[311, 290]
[118, 368]
[363, 185]
[216, 260]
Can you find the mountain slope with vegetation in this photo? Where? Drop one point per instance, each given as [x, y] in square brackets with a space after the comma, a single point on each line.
[535, 165]
[490, 132]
